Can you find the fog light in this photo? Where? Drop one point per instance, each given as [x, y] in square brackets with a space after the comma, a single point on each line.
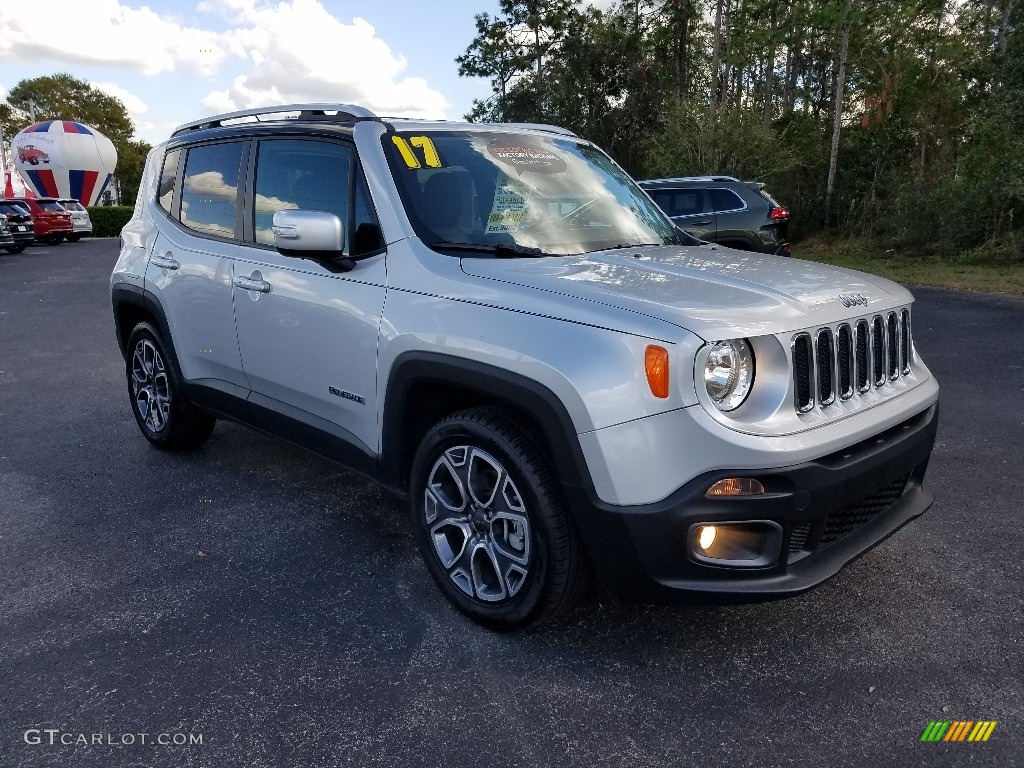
[746, 544]
[736, 486]
[706, 536]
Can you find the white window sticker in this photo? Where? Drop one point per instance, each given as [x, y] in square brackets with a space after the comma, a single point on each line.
[509, 207]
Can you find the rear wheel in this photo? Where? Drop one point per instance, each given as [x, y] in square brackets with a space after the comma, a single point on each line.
[490, 522]
[15, 248]
[166, 417]
[53, 239]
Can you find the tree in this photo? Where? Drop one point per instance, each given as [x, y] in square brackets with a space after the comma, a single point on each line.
[837, 119]
[515, 49]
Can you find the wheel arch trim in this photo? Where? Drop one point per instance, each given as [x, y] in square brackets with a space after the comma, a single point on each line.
[135, 296]
[497, 385]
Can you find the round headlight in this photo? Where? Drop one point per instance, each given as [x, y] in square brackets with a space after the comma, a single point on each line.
[729, 373]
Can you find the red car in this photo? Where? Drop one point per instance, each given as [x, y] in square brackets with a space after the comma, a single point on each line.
[52, 221]
[32, 155]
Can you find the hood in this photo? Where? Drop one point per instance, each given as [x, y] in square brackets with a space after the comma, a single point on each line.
[712, 291]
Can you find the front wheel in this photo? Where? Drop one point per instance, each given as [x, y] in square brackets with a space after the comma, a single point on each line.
[15, 248]
[73, 238]
[165, 416]
[54, 239]
[490, 522]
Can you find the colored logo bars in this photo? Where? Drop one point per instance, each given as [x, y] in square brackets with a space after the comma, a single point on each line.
[958, 730]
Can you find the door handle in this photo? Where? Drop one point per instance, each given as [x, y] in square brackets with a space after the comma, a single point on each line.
[251, 284]
[702, 223]
[166, 261]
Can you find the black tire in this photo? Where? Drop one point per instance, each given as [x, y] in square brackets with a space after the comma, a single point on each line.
[73, 238]
[545, 571]
[176, 424]
[15, 248]
[54, 239]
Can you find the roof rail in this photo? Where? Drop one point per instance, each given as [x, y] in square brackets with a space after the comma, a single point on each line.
[695, 178]
[345, 112]
[541, 127]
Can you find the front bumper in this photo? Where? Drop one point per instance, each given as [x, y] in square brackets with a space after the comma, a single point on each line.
[831, 511]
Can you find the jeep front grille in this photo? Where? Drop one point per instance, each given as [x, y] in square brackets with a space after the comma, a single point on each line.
[834, 363]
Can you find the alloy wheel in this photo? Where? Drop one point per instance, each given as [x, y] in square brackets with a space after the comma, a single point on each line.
[150, 386]
[477, 523]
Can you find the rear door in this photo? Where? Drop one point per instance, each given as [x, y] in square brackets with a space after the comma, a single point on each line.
[190, 268]
[733, 218]
[687, 207]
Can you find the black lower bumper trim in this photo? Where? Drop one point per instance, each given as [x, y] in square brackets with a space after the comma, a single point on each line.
[832, 510]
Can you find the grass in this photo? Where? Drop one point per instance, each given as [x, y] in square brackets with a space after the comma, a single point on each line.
[978, 270]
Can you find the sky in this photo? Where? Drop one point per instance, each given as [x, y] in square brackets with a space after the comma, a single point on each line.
[171, 61]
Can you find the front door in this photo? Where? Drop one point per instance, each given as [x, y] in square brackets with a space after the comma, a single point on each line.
[307, 334]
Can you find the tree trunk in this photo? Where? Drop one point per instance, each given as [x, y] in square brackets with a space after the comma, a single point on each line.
[716, 55]
[1004, 22]
[682, 72]
[837, 112]
[769, 74]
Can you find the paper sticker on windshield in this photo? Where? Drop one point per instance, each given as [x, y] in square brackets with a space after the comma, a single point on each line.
[518, 153]
[508, 209]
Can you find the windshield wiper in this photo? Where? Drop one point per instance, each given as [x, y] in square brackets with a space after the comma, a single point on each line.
[500, 250]
[621, 246]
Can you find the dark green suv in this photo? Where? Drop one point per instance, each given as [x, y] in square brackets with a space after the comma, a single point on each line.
[722, 209]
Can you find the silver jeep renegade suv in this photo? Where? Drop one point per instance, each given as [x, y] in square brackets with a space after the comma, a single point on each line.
[496, 323]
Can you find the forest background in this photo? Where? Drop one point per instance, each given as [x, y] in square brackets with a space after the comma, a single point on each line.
[892, 129]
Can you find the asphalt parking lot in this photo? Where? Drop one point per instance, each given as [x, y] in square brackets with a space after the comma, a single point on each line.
[311, 635]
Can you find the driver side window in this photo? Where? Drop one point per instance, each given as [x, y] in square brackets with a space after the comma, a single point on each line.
[301, 175]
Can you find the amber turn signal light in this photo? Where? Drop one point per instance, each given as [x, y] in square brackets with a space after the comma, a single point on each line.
[736, 486]
[656, 366]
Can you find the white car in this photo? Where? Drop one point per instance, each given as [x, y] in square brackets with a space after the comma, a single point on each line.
[82, 224]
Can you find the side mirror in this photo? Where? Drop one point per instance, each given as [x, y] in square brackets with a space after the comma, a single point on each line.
[309, 234]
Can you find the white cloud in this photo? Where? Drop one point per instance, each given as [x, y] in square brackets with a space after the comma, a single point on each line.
[295, 50]
[132, 103]
[105, 32]
[300, 52]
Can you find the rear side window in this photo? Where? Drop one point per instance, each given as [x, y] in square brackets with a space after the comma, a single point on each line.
[165, 191]
[209, 189]
[725, 200]
[679, 202]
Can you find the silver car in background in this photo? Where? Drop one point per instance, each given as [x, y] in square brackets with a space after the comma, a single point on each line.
[498, 325]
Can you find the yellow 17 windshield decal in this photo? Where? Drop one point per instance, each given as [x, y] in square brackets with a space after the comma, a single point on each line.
[423, 143]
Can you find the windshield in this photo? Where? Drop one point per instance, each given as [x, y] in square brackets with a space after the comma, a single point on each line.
[72, 205]
[506, 191]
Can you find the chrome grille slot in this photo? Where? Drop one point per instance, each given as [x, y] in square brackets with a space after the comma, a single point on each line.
[844, 356]
[802, 374]
[863, 356]
[878, 350]
[905, 342]
[839, 364]
[824, 358]
[892, 346]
